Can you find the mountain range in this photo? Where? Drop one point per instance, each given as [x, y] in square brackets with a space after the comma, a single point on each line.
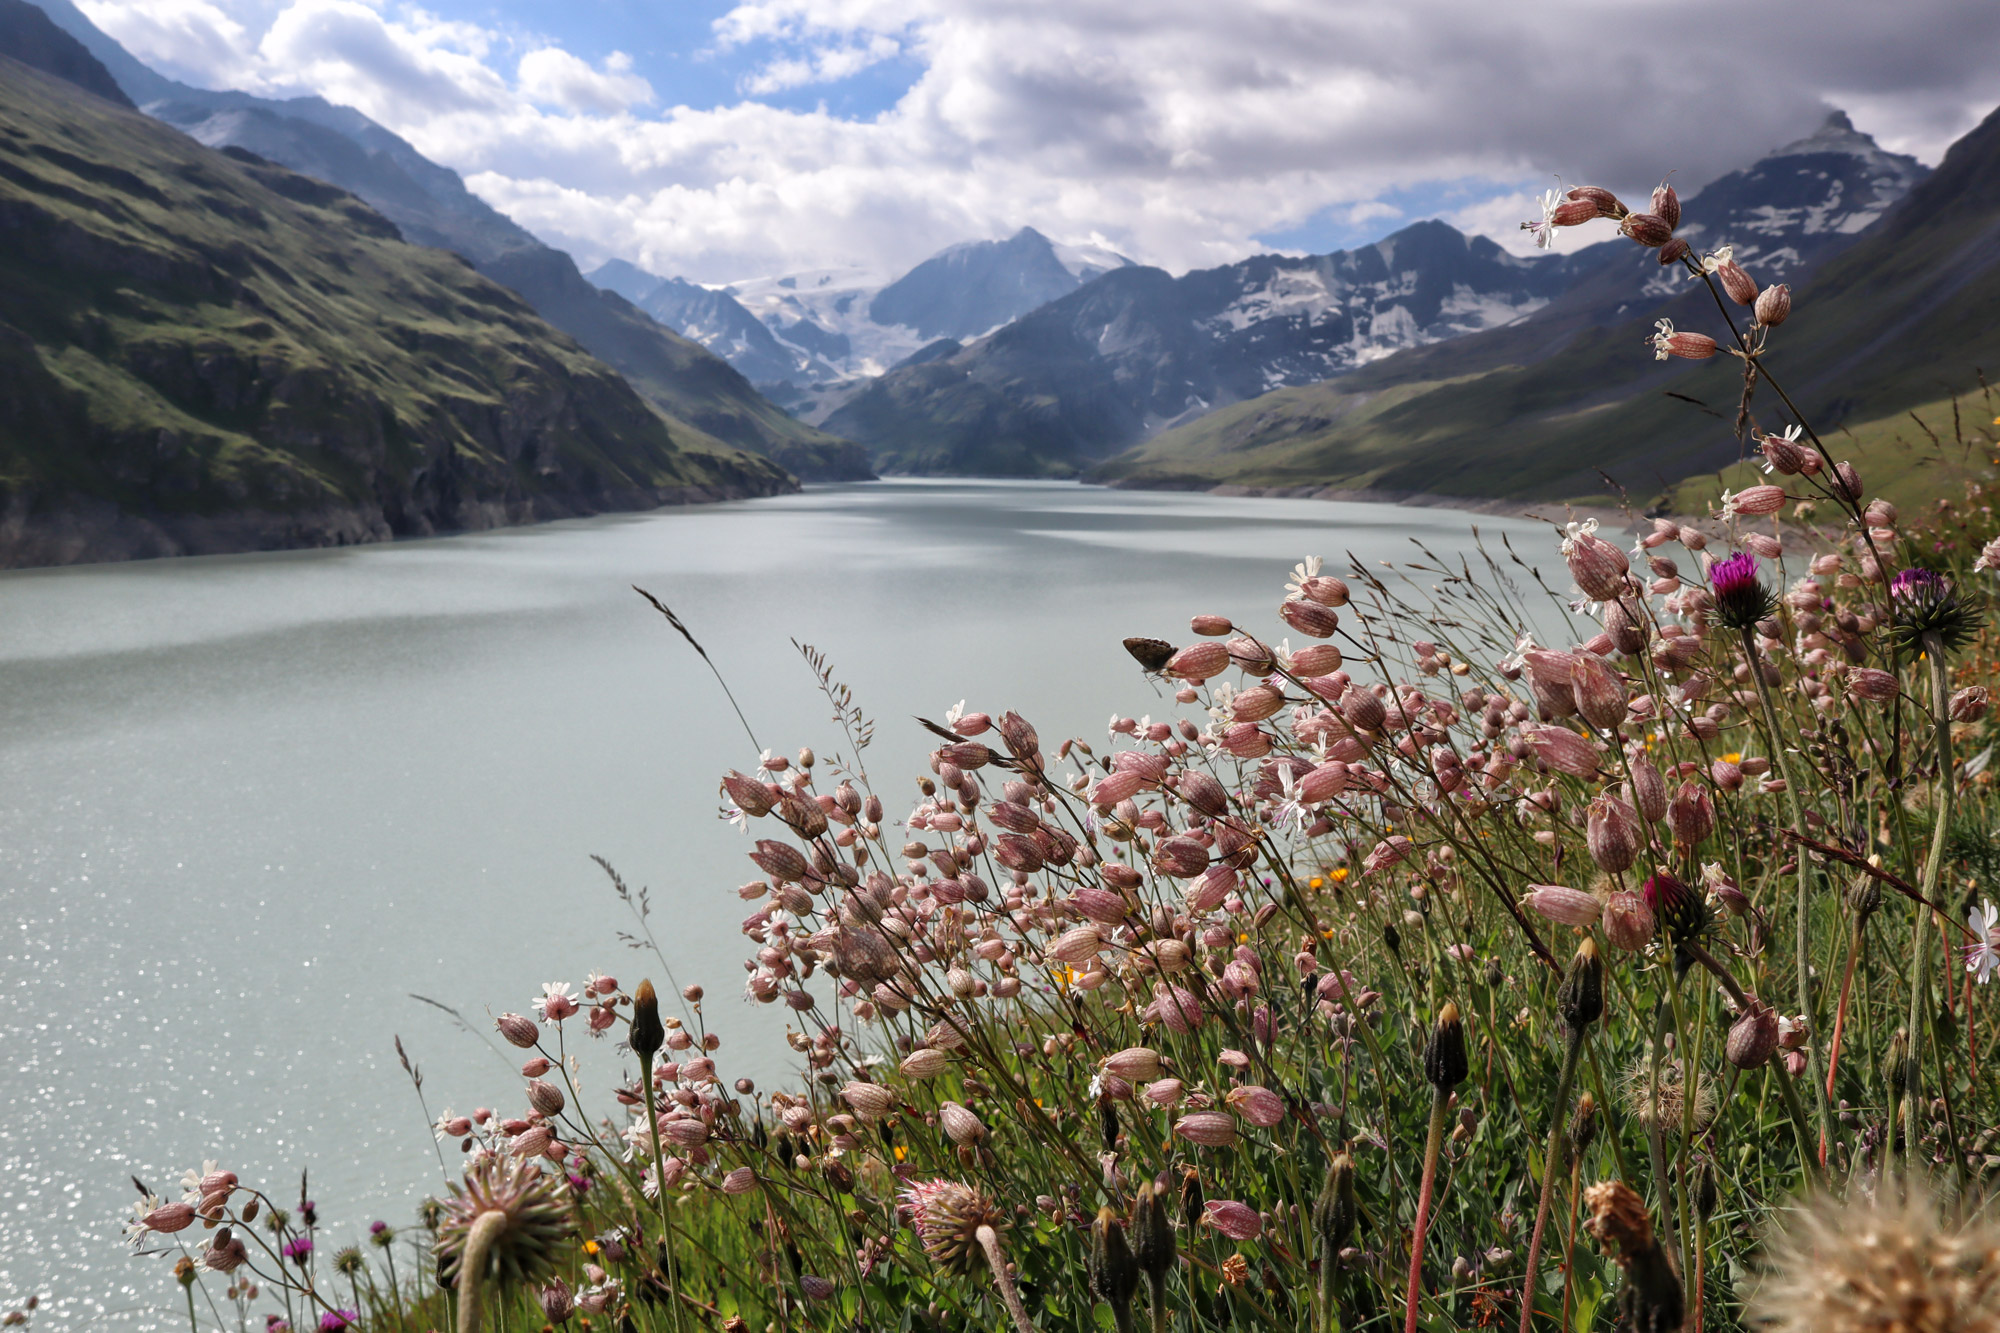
[431, 206]
[204, 351]
[797, 335]
[1558, 403]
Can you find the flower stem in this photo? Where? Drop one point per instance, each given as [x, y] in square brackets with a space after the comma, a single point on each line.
[472, 1268]
[1552, 1165]
[1920, 955]
[989, 1241]
[1802, 934]
[1440, 1101]
[660, 1188]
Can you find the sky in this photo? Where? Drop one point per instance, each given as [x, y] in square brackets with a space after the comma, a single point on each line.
[722, 141]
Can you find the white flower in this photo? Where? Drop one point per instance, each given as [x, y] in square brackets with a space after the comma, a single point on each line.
[136, 1230]
[1989, 558]
[1517, 659]
[1544, 231]
[1096, 1089]
[1307, 568]
[954, 713]
[1573, 532]
[1715, 260]
[555, 996]
[1662, 339]
[191, 1180]
[1289, 812]
[1983, 956]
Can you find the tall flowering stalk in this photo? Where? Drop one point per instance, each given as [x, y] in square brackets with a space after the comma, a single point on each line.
[1581, 1003]
[1445, 1067]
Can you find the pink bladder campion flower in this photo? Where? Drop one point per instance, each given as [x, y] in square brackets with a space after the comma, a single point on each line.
[1238, 1221]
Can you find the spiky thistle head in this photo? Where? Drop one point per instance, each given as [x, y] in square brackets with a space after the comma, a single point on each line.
[347, 1261]
[1675, 906]
[1923, 604]
[537, 1220]
[948, 1216]
[1741, 599]
[1842, 1267]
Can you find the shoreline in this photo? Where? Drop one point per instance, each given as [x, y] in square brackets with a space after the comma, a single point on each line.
[1543, 510]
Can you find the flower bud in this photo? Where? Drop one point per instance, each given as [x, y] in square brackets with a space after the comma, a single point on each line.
[1238, 1221]
[1198, 661]
[1597, 566]
[545, 1097]
[1607, 203]
[1153, 1244]
[1260, 1106]
[1613, 834]
[1310, 618]
[1628, 922]
[1210, 1129]
[1213, 627]
[1580, 998]
[1564, 751]
[1649, 790]
[1666, 204]
[1648, 229]
[961, 1126]
[1599, 694]
[647, 1034]
[1626, 626]
[1114, 1272]
[927, 1062]
[752, 797]
[518, 1029]
[1336, 1210]
[1674, 251]
[1737, 284]
[1691, 815]
[1572, 907]
[1786, 459]
[1753, 1037]
[1445, 1061]
[1774, 305]
[1846, 480]
[868, 1101]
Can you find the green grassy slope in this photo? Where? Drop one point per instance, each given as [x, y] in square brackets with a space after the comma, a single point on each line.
[1899, 320]
[202, 351]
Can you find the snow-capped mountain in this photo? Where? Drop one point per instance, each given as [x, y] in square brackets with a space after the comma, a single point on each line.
[1797, 203]
[831, 325]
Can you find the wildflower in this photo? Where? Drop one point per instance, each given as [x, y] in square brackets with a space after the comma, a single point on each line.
[1741, 599]
[531, 1220]
[1753, 501]
[335, 1320]
[1983, 956]
[1753, 1037]
[298, 1249]
[1783, 453]
[1925, 604]
[1628, 922]
[1648, 229]
[1210, 1129]
[1572, 907]
[1238, 1221]
[961, 1126]
[1774, 305]
[1989, 557]
[517, 1029]
[1544, 231]
[948, 1216]
[1691, 346]
[1677, 907]
[1879, 1264]
[1598, 566]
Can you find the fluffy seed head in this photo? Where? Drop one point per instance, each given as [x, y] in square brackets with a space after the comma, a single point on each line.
[948, 1216]
[1834, 1267]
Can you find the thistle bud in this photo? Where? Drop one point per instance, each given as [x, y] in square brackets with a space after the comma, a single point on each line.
[1114, 1272]
[1445, 1061]
[1774, 305]
[1153, 1245]
[647, 1034]
[1336, 1210]
[1737, 284]
[1666, 204]
[1613, 834]
[1580, 998]
[1648, 229]
[1753, 1037]
[1675, 906]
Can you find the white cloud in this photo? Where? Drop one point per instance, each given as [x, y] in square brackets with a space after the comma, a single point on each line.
[552, 76]
[1178, 130]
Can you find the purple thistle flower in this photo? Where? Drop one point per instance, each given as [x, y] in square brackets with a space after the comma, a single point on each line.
[1915, 583]
[298, 1248]
[1740, 599]
[334, 1320]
